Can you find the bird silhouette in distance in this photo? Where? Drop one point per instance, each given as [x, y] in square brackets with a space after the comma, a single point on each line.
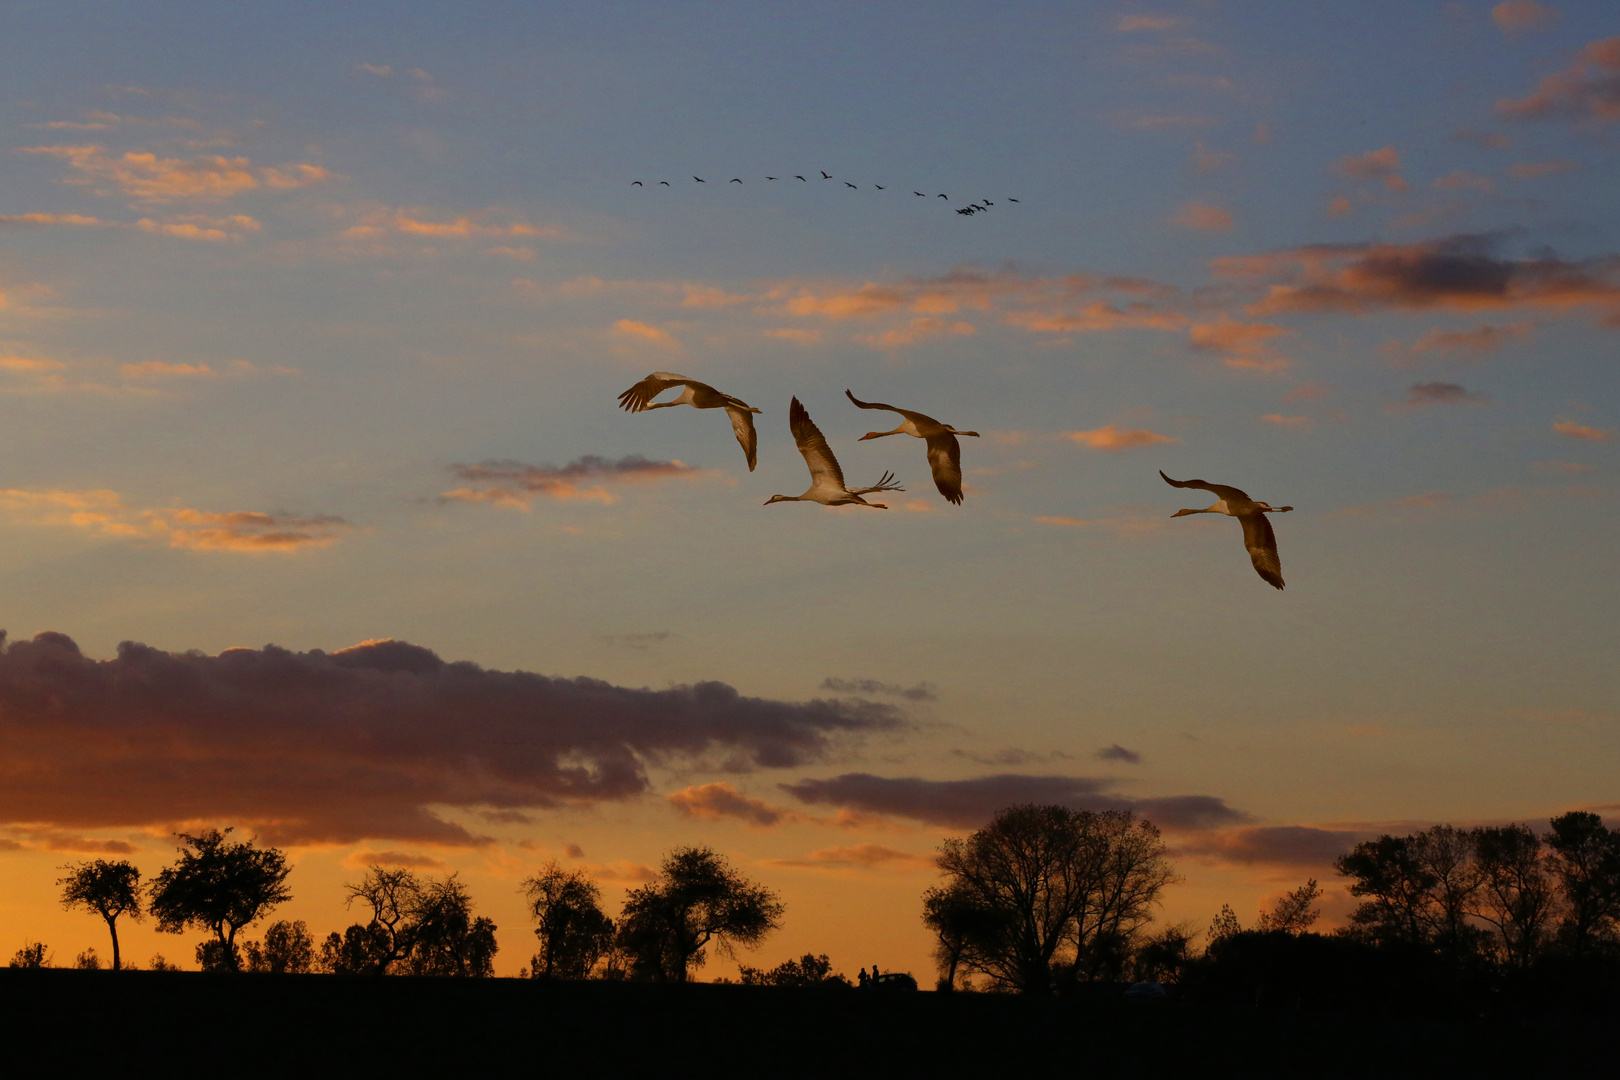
[700, 179]
[827, 485]
[944, 452]
[796, 176]
[734, 180]
[770, 178]
[945, 197]
[848, 184]
[1257, 534]
[639, 398]
[664, 182]
[825, 175]
[919, 195]
[637, 183]
[878, 186]
[987, 202]
[1011, 199]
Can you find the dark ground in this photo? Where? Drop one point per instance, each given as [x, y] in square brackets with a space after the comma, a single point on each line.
[92, 1022]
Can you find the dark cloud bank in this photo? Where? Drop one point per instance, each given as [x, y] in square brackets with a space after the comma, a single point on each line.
[359, 743]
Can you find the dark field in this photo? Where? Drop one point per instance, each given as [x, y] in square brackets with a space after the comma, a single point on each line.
[256, 1025]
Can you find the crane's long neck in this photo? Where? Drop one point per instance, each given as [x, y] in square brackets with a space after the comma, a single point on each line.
[901, 430]
[1218, 508]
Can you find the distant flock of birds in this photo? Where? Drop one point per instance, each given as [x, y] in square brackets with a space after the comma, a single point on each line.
[969, 210]
[828, 487]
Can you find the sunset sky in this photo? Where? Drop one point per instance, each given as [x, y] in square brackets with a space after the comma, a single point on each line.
[313, 316]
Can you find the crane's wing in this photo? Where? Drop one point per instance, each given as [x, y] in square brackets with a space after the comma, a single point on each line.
[742, 422]
[945, 458]
[1262, 545]
[871, 404]
[813, 445]
[1223, 491]
[638, 396]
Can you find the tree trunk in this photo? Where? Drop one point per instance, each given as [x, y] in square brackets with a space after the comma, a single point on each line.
[112, 928]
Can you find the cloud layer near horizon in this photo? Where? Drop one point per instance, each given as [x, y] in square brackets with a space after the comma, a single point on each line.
[362, 743]
[968, 804]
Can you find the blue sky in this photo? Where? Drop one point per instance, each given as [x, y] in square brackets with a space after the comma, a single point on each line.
[268, 276]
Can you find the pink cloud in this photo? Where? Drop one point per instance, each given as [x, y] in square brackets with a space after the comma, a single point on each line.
[1115, 439]
[1571, 430]
[1204, 218]
[1382, 165]
[1523, 15]
[712, 802]
[1588, 90]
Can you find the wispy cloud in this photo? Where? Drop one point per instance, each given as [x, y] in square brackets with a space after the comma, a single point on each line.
[1425, 395]
[712, 802]
[1571, 430]
[104, 513]
[1523, 15]
[920, 692]
[1476, 341]
[516, 484]
[1589, 89]
[973, 802]
[1240, 344]
[1377, 165]
[1112, 439]
[855, 857]
[1204, 217]
[1117, 752]
[146, 177]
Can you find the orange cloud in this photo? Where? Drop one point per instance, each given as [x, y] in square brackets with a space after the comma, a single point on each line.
[632, 328]
[1293, 423]
[798, 337]
[1338, 206]
[1242, 345]
[53, 219]
[104, 513]
[1571, 430]
[1588, 90]
[712, 802]
[1527, 169]
[1384, 165]
[1522, 15]
[854, 857]
[148, 178]
[1203, 217]
[158, 367]
[916, 330]
[1426, 501]
[1115, 439]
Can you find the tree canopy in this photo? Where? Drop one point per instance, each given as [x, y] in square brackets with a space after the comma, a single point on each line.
[110, 889]
[220, 886]
[697, 899]
[574, 932]
[1046, 894]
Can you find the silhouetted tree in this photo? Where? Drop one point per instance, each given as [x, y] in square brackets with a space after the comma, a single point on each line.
[1224, 925]
[1294, 913]
[221, 887]
[697, 899]
[287, 949]
[808, 970]
[31, 955]
[393, 896]
[1071, 887]
[1585, 857]
[445, 937]
[1164, 956]
[1516, 893]
[87, 960]
[960, 920]
[110, 889]
[356, 951]
[573, 930]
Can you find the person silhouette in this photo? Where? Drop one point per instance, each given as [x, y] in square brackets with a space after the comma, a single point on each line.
[863, 977]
